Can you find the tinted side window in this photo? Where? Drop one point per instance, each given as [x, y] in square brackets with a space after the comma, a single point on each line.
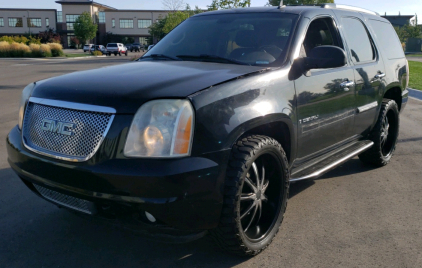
[321, 32]
[358, 41]
[387, 39]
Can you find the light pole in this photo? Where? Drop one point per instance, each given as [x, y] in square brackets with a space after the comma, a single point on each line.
[28, 20]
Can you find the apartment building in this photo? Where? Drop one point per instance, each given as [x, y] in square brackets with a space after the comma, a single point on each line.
[123, 23]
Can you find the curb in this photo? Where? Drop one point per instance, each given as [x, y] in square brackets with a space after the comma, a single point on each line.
[54, 58]
[415, 94]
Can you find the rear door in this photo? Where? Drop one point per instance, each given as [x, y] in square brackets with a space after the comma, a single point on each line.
[368, 68]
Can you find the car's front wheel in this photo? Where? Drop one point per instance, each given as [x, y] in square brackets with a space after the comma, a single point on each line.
[384, 135]
[255, 196]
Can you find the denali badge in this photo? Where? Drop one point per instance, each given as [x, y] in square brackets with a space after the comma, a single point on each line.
[57, 127]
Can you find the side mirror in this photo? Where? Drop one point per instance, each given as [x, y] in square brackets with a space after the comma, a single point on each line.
[324, 57]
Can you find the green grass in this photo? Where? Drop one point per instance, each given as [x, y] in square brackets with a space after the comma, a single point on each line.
[77, 55]
[414, 55]
[415, 80]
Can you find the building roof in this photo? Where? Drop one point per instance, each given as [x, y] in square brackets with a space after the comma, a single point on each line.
[27, 9]
[82, 2]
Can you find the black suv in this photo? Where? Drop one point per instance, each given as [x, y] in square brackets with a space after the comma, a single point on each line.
[209, 128]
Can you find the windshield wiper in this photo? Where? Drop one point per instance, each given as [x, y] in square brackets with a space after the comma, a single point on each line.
[160, 56]
[213, 58]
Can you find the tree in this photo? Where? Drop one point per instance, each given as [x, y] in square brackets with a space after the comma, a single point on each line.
[164, 25]
[173, 5]
[227, 4]
[49, 36]
[85, 29]
[299, 2]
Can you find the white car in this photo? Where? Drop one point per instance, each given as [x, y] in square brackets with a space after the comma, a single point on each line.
[116, 48]
[87, 47]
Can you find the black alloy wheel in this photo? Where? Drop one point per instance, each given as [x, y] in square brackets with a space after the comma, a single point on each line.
[384, 135]
[255, 196]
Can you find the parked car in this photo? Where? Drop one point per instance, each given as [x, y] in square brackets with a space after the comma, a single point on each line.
[136, 47]
[100, 48]
[87, 47]
[128, 46]
[116, 49]
[217, 120]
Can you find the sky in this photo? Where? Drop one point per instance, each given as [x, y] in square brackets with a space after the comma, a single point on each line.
[392, 7]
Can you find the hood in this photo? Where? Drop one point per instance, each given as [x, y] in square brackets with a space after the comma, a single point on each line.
[126, 87]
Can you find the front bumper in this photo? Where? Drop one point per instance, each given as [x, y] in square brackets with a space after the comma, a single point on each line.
[183, 193]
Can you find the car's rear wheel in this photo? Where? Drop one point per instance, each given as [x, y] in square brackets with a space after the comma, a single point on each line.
[384, 135]
[255, 196]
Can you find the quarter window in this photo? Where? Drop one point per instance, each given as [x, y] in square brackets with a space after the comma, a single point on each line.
[1, 22]
[126, 24]
[360, 46]
[144, 24]
[34, 23]
[387, 39]
[15, 22]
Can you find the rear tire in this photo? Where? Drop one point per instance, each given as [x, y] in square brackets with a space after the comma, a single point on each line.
[255, 196]
[384, 135]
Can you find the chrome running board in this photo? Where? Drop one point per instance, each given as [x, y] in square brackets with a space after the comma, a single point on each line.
[331, 162]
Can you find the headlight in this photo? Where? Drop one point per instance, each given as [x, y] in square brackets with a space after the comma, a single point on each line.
[26, 93]
[161, 128]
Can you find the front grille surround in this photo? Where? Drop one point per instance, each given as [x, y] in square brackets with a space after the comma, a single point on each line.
[91, 125]
[64, 200]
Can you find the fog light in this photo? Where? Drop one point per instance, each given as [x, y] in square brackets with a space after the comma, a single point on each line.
[150, 217]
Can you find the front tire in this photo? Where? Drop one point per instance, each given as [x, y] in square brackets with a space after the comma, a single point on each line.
[384, 135]
[255, 196]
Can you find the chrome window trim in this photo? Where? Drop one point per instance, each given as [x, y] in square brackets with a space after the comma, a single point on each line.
[367, 107]
[72, 106]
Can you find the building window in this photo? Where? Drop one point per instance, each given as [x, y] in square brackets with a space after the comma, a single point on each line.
[1, 22]
[47, 22]
[143, 40]
[126, 24]
[34, 23]
[144, 24]
[15, 22]
[113, 23]
[70, 20]
[101, 17]
[59, 16]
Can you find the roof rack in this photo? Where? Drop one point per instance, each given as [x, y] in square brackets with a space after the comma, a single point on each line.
[352, 8]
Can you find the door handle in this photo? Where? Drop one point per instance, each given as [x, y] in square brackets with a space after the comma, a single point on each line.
[346, 84]
[380, 75]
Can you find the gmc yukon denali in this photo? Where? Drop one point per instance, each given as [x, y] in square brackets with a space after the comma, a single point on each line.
[206, 131]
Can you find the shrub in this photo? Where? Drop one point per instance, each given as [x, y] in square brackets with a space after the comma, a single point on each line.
[97, 53]
[45, 50]
[35, 50]
[15, 49]
[56, 49]
[4, 49]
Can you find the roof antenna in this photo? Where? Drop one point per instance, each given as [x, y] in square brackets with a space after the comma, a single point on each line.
[281, 4]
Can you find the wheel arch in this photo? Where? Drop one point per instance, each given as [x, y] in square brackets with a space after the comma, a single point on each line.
[277, 126]
[394, 93]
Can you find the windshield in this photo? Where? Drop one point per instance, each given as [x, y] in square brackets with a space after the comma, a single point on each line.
[248, 38]
[112, 45]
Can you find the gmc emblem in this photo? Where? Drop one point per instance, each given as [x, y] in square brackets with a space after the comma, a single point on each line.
[57, 127]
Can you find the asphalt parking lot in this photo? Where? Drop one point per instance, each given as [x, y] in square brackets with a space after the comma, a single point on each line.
[354, 216]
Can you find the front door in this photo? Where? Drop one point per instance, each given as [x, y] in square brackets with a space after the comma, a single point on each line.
[325, 98]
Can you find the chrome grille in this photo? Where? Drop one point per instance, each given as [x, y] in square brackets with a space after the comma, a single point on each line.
[65, 200]
[89, 129]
